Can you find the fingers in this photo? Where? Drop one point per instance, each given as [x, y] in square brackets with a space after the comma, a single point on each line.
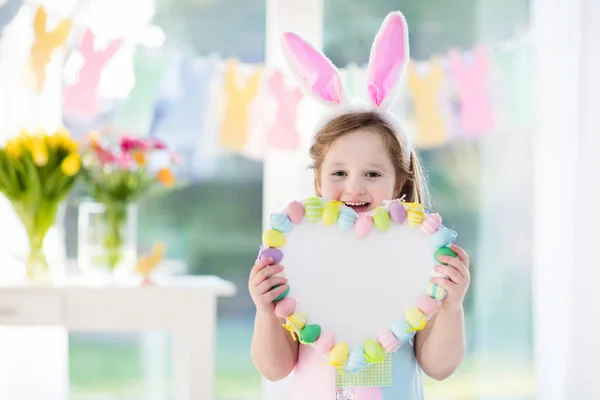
[259, 266]
[266, 285]
[462, 255]
[455, 263]
[271, 295]
[445, 283]
[452, 273]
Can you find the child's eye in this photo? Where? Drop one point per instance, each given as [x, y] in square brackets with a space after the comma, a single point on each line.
[339, 173]
[373, 174]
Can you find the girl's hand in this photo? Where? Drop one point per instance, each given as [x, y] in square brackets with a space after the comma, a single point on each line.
[457, 278]
[262, 280]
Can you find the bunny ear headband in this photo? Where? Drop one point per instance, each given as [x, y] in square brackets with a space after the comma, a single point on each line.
[320, 79]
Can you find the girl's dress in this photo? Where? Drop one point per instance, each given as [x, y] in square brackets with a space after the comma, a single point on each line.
[315, 379]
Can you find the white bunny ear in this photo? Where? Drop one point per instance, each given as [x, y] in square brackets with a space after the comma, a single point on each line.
[388, 60]
[316, 74]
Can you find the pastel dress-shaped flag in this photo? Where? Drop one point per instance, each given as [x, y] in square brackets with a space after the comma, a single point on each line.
[8, 11]
[81, 97]
[426, 89]
[42, 49]
[137, 113]
[476, 115]
[235, 126]
[284, 135]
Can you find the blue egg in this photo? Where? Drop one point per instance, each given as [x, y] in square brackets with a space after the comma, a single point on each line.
[356, 360]
[346, 218]
[400, 330]
[443, 237]
[280, 222]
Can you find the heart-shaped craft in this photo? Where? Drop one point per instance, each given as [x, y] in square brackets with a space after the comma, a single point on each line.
[359, 284]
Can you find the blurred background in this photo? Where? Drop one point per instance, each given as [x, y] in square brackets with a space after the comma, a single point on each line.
[205, 77]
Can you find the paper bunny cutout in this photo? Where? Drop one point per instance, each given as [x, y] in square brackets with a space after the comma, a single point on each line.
[44, 45]
[81, 97]
[320, 79]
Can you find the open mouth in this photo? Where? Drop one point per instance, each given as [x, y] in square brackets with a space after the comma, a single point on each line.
[358, 206]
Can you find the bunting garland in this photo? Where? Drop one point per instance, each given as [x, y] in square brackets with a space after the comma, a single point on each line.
[226, 105]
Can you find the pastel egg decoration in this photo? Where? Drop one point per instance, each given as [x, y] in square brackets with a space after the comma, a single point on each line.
[339, 355]
[373, 351]
[356, 360]
[397, 212]
[269, 252]
[431, 223]
[273, 238]
[415, 318]
[280, 222]
[388, 341]
[442, 237]
[331, 211]
[283, 295]
[363, 225]
[313, 209]
[294, 323]
[324, 343]
[436, 291]
[444, 251]
[415, 214]
[428, 305]
[346, 218]
[285, 307]
[309, 334]
[381, 219]
[402, 330]
[295, 212]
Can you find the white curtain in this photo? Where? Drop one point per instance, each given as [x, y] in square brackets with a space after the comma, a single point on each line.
[567, 194]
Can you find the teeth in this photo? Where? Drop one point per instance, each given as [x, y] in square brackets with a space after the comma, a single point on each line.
[355, 204]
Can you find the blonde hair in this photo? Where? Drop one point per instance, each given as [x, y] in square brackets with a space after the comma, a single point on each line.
[410, 179]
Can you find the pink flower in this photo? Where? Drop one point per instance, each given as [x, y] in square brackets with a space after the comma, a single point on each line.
[156, 144]
[125, 161]
[105, 156]
[129, 143]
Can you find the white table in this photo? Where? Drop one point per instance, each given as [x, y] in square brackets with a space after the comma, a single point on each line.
[184, 306]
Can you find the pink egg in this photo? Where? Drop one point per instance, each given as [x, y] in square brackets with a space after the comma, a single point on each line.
[285, 307]
[325, 343]
[431, 223]
[397, 212]
[295, 211]
[427, 305]
[388, 341]
[363, 225]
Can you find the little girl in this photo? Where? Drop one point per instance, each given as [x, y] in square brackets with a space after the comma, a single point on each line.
[362, 157]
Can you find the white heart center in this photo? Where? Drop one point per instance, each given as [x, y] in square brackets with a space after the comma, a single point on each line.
[355, 287]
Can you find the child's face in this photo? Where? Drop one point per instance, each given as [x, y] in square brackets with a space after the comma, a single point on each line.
[358, 171]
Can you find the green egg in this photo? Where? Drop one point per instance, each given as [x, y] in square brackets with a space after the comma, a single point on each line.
[443, 251]
[310, 333]
[381, 219]
[374, 353]
[282, 295]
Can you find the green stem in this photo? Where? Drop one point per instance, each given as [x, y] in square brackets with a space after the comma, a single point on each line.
[115, 215]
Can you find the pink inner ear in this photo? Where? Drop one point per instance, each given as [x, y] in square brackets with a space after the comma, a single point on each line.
[317, 72]
[389, 55]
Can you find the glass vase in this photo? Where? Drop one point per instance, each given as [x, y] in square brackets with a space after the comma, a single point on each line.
[107, 241]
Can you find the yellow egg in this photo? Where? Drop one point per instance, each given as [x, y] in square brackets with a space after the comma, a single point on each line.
[339, 354]
[331, 211]
[415, 318]
[415, 214]
[273, 238]
[381, 219]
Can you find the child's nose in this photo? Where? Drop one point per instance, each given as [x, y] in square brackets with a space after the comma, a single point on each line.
[355, 186]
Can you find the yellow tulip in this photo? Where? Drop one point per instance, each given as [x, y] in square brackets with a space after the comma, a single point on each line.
[14, 148]
[71, 164]
[64, 139]
[39, 151]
